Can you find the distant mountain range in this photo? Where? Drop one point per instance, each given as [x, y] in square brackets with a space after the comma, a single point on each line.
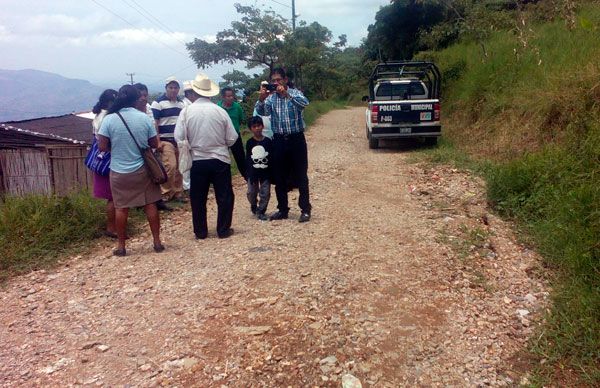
[26, 94]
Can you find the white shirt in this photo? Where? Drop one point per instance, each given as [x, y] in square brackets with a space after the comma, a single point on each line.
[97, 121]
[208, 129]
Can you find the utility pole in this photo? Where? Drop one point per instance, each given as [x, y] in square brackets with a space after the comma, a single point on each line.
[293, 15]
[130, 76]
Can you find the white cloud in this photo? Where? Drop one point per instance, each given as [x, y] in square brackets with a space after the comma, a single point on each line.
[5, 35]
[209, 38]
[62, 25]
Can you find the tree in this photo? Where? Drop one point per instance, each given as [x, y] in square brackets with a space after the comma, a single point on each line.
[394, 35]
[305, 46]
[256, 39]
[242, 82]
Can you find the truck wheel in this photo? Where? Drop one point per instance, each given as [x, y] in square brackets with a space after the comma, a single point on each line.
[431, 141]
[373, 143]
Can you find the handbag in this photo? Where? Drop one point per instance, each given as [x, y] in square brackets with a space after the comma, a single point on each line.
[98, 161]
[152, 162]
[185, 151]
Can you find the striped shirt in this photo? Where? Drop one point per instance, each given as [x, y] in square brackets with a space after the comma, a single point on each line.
[285, 112]
[166, 112]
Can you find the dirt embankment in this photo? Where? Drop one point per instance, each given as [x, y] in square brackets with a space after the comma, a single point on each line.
[402, 278]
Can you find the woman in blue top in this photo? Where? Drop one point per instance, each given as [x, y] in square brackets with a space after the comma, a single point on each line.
[130, 183]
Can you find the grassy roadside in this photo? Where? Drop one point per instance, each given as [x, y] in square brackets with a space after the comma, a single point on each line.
[528, 120]
[35, 230]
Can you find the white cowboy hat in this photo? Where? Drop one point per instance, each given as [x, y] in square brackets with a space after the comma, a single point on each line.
[187, 85]
[204, 86]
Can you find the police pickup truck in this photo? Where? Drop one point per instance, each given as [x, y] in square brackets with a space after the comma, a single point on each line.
[403, 102]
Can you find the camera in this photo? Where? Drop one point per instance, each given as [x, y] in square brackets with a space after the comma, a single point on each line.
[271, 87]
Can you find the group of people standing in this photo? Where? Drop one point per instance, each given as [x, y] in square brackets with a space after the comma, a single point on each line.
[124, 120]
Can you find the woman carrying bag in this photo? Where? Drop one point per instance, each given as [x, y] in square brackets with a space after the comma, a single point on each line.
[123, 132]
[102, 161]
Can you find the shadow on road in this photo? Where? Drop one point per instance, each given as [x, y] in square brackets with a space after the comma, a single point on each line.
[403, 145]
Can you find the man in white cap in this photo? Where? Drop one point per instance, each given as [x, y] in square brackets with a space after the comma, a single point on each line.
[210, 133]
[166, 109]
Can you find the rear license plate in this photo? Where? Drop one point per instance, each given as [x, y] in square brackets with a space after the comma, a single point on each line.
[425, 116]
[404, 130]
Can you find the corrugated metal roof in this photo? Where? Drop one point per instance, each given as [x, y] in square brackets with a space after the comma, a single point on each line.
[69, 126]
[13, 137]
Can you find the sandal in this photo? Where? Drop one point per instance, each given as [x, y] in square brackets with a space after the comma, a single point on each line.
[120, 252]
[159, 248]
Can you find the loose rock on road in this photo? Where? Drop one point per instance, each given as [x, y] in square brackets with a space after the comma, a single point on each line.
[402, 277]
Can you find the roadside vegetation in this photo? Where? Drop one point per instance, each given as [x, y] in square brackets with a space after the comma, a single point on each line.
[525, 113]
[35, 230]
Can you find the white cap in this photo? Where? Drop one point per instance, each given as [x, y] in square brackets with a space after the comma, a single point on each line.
[171, 79]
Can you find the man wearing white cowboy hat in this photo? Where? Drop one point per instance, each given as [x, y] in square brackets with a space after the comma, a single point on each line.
[210, 133]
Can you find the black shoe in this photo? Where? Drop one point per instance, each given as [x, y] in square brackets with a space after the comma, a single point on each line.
[304, 217]
[201, 236]
[227, 234]
[161, 205]
[278, 215]
[120, 252]
[262, 216]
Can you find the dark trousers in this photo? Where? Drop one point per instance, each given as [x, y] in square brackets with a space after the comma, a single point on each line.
[202, 175]
[237, 150]
[290, 164]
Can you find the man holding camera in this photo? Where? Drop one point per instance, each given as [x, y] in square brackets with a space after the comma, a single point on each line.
[290, 155]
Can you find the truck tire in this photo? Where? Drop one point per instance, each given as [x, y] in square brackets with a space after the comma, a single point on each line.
[373, 143]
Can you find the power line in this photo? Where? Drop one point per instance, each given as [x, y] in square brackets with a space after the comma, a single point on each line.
[282, 4]
[148, 16]
[137, 28]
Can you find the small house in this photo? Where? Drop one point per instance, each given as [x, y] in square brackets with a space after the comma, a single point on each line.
[45, 156]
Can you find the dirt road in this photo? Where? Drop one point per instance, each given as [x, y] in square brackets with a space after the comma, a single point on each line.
[402, 278]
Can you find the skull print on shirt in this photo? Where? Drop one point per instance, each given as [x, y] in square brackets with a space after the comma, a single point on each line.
[259, 157]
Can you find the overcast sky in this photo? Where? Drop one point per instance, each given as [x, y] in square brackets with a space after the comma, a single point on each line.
[101, 40]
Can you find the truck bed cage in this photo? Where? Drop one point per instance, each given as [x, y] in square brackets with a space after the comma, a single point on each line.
[427, 72]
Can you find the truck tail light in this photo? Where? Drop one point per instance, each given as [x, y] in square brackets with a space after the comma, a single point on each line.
[436, 111]
[374, 113]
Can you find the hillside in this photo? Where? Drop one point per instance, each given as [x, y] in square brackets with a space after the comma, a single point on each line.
[26, 94]
[526, 112]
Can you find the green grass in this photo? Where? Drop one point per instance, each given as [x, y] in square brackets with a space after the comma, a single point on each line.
[555, 194]
[34, 230]
[527, 119]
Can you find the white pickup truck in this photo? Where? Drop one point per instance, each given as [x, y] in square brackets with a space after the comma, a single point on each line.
[403, 102]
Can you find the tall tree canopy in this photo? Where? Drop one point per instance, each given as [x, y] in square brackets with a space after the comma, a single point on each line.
[256, 39]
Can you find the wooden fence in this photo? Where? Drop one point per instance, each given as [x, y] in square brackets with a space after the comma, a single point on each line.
[54, 169]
